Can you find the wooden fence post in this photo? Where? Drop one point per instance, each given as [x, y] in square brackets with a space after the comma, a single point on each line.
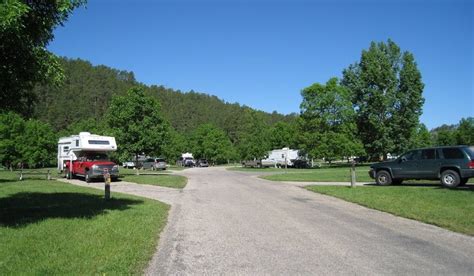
[353, 175]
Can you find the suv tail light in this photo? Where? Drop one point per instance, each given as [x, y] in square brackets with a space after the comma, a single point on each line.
[471, 164]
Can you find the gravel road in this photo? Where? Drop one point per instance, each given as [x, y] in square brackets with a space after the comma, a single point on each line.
[228, 222]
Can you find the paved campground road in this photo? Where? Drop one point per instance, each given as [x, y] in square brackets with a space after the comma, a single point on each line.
[228, 222]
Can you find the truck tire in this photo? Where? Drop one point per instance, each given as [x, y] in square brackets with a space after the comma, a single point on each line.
[67, 174]
[383, 178]
[450, 179]
[88, 177]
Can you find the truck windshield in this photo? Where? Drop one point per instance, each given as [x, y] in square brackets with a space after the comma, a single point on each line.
[96, 157]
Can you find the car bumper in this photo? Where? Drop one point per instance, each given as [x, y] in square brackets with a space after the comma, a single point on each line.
[467, 173]
[372, 173]
[99, 172]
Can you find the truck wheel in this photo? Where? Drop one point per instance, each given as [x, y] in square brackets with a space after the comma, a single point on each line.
[450, 179]
[383, 178]
[67, 174]
[88, 177]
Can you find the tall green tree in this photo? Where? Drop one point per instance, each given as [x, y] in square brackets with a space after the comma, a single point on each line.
[137, 124]
[422, 138]
[12, 127]
[386, 89]
[284, 134]
[253, 136]
[176, 144]
[465, 132]
[37, 144]
[212, 143]
[26, 28]
[327, 122]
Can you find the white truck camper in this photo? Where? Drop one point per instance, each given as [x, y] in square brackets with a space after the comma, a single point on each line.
[280, 157]
[70, 147]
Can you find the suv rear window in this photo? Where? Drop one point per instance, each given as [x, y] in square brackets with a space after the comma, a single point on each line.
[470, 152]
[453, 153]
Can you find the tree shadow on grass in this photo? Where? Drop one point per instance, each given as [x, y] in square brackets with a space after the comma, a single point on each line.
[4, 180]
[21, 209]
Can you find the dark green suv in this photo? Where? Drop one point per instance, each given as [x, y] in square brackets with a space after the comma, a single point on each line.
[452, 165]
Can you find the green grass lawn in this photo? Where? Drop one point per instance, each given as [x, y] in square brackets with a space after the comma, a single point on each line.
[49, 227]
[334, 174]
[272, 169]
[331, 174]
[170, 181]
[447, 208]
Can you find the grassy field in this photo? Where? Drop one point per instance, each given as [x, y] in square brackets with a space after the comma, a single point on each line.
[170, 181]
[124, 171]
[447, 208]
[323, 174]
[243, 169]
[49, 227]
[332, 174]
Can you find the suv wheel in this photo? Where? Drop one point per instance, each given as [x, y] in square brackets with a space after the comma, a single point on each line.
[450, 179]
[383, 178]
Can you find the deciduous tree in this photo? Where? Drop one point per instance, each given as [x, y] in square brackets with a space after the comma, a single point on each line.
[212, 143]
[137, 124]
[12, 127]
[465, 132]
[37, 144]
[327, 122]
[386, 89]
[26, 28]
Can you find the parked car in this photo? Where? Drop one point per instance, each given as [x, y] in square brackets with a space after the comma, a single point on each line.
[301, 164]
[152, 163]
[202, 163]
[452, 165]
[160, 164]
[128, 164]
[252, 163]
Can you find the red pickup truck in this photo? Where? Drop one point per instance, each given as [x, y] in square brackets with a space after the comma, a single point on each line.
[91, 165]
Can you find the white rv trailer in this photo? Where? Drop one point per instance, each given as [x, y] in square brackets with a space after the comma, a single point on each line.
[68, 147]
[280, 157]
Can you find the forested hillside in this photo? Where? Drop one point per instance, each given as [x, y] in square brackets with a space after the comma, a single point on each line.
[87, 91]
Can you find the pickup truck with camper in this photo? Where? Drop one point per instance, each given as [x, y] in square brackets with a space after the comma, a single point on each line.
[85, 155]
[280, 158]
[186, 160]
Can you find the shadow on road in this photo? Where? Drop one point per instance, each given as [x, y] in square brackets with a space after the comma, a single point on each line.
[21, 209]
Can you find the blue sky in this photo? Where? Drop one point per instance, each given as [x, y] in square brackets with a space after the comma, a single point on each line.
[262, 53]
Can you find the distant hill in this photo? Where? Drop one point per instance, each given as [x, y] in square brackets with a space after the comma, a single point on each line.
[88, 89]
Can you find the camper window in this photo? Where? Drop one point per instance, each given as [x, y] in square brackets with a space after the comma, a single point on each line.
[77, 143]
[65, 149]
[98, 142]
